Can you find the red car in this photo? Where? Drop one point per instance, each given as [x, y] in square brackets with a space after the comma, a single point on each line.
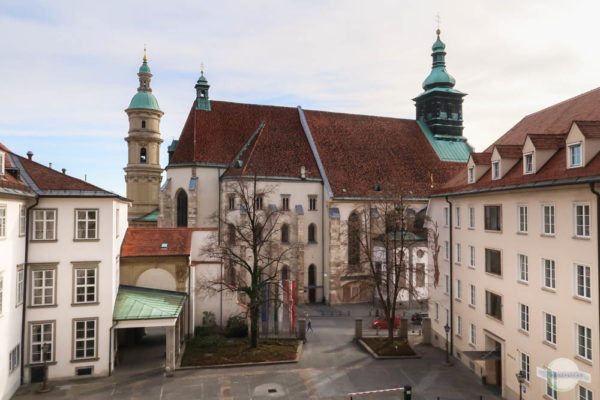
[382, 322]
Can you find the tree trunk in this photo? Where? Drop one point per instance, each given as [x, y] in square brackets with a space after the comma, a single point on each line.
[254, 321]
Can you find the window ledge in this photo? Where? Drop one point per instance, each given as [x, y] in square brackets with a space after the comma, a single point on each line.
[494, 319]
[43, 240]
[86, 240]
[548, 235]
[458, 262]
[499, 276]
[521, 282]
[583, 360]
[312, 242]
[584, 299]
[575, 237]
[523, 331]
[472, 266]
[522, 233]
[549, 290]
[84, 360]
[42, 306]
[93, 303]
[473, 345]
[472, 228]
[551, 345]
[492, 231]
[40, 364]
[458, 299]
[472, 306]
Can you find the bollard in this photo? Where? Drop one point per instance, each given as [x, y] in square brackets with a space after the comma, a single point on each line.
[407, 392]
[302, 329]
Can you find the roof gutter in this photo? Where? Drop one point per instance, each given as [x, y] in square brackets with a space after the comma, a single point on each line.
[532, 185]
[593, 190]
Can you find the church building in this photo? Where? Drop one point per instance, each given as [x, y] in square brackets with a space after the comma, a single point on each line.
[323, 166]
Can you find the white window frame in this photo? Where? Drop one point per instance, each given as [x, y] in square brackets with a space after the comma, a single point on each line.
[437, 311]
[447, 284]
[522, 268]
[42, 340]
[528, 163]
[458, 258]
[548, 221]
[472, 256]
[526, 366]
[570, 153]
[583, 280]
[583, 342]
[522, 223]
[20, 283]
[584, 393]
[549, 328]
[471, 175]
[471, 217]
[82, 287]
[43, 218]
[81, 331]
[14, 359]
[458, 325]
[495, 170]
[472, 295]
[524, 317]
[446, 216]
[549, 273]
[446, 250]
[2, 221]
[472, 334]
[581, 230]
[458, 289]
[84, 220]
[43, 275]
[457, 213]
[231, 202]
[551, 392]
[22, 220]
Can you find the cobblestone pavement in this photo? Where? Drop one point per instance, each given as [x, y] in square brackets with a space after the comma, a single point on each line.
[331, 366]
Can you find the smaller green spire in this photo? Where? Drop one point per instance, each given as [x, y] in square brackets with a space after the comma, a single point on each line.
[438, 77]
[202, 86]
[144, 68]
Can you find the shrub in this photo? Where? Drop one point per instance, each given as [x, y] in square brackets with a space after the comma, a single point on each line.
[209, 319]
[236, 327]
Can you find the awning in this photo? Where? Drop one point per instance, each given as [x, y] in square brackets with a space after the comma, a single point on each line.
[483, 354]
[147, 307]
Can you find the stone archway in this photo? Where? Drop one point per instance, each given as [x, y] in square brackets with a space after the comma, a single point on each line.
[157, 278]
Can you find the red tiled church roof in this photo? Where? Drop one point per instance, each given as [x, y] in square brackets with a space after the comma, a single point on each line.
[48, 179]
[148, 242]
[357, 151]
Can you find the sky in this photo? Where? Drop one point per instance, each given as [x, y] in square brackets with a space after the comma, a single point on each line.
[68, 68]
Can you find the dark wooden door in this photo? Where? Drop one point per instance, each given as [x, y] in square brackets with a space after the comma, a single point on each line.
[312, 281]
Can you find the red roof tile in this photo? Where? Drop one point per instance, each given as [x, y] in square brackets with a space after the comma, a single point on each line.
[147, 242]
[484, 158]
[543, 141]
[509, 150]
[48, 179]
[556, 119]
[590, 129]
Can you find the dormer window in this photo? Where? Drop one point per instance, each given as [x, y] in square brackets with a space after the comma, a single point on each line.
[575, 155]
[495, 169]
[471, 175]
[528, 163]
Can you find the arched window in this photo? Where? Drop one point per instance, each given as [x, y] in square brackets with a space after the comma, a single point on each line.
[143, 155]
[230, 234]
[182, 208]
[285, 233]
[143, 124]
[312, 233]
[285, 273]
[353, 239]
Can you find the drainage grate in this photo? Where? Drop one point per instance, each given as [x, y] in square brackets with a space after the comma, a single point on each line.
[272, 390]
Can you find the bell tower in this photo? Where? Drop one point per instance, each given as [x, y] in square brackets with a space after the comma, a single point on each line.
[143, 171]
[440, 105]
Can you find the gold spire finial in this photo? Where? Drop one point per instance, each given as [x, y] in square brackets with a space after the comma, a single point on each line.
[145, 58]
[438, 21]
[202, 69]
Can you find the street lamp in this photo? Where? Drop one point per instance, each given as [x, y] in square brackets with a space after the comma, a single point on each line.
[521, 377]
[447, 329]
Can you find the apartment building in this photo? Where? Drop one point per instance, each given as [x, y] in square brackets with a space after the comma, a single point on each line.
[62, 237]
[518, 260]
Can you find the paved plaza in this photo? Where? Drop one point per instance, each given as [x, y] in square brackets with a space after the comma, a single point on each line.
[331, 366]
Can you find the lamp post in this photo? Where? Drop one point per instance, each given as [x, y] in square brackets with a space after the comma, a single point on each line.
[521, 378]
[447, 329]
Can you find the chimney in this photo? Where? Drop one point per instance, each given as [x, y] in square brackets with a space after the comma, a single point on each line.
[303, 172]
[64, 170]
[30, 155]
[50, 165]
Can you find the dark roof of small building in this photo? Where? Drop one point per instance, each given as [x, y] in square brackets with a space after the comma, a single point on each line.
[152, 242]
[357, 151]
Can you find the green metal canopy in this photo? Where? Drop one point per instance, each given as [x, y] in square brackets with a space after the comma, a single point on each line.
[144, 100]
[150, 217]
[135, 303]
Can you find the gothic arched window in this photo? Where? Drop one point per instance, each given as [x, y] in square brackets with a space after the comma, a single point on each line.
[143, 155]
[182, 208]
[285, 233]
[285, 273]
[353, 239]
[312, 233]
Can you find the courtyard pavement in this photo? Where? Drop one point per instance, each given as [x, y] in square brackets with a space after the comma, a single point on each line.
[331, 366]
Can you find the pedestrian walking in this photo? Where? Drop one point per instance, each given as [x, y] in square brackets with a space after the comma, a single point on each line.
[309, 325]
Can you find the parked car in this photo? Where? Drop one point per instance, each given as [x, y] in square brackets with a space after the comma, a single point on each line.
[382, 322]
[417, 318]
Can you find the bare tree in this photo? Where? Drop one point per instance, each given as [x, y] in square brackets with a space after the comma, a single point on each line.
[249, 247]
[380, 236]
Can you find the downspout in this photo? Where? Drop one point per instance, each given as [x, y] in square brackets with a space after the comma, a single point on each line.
[219, 242]
[323, 240]
[25, 279]
[110, 347]
[451, 259]
[189, 322]
[593, 190]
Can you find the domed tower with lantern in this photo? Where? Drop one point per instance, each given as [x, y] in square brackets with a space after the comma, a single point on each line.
[143, 171]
